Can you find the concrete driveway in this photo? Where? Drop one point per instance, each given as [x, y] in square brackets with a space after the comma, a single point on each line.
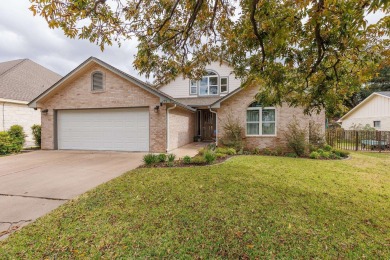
[34, 183]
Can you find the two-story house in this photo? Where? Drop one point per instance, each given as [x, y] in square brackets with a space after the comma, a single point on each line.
[98, 107]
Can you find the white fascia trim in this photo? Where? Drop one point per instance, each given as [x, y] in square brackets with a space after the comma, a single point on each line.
[4, 100]
[358, 106]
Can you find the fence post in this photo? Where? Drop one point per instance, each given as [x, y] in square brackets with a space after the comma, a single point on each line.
[379, 141]
[356, 140]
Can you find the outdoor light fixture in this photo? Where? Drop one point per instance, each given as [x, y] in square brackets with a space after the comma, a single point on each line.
[45, 111]
[156, 108]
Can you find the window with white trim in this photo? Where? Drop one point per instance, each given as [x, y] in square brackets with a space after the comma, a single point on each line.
[193, 87]
[208, 85]
[97, 81]
[224, 85]
[260, 121]
[377, 124]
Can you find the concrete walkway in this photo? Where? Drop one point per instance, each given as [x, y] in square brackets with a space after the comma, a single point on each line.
[34, 183]
[188, 149]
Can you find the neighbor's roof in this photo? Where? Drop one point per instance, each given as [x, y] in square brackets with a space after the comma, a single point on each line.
[23, 79]
[124, 75]
[385, 94]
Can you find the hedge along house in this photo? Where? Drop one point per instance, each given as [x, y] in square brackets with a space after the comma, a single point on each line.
[98, 107]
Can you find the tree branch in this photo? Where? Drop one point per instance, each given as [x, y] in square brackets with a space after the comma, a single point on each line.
[256, 32]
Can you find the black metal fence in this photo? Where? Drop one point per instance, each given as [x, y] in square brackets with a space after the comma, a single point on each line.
[358, 140]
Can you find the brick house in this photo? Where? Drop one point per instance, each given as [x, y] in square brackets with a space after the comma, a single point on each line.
[98, 107]
[21, 81]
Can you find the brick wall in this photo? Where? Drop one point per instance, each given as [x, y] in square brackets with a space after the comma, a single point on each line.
[119, 92]
[181, 127]
[237, 106]
[19, 114]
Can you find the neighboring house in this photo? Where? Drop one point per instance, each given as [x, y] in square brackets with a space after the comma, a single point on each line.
[98, 107]
[20, 82]
[373, 111]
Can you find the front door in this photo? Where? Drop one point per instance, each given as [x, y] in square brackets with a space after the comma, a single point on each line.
[208, 125]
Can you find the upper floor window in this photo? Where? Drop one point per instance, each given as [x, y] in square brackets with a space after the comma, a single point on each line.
[260, 120]
[97, 81]
[377, 124]
[210, 84]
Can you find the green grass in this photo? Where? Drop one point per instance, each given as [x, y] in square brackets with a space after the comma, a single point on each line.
[249, 206]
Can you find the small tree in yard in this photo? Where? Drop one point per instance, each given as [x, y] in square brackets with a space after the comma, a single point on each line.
[36, 131]
[296, 137]
[232, 132]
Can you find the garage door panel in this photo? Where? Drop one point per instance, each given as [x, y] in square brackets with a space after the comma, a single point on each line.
[104, 129]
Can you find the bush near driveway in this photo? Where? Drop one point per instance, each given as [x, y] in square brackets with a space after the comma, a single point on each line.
[12, 141]
[248, 207]
[36, 131]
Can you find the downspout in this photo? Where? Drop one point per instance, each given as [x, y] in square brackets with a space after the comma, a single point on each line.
[216, 126]
[3, 117]
[169, 108]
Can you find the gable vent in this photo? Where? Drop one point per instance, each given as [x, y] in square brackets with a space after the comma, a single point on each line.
[97, 81]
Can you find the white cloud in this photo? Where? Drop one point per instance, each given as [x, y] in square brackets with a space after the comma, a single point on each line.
[24, 36]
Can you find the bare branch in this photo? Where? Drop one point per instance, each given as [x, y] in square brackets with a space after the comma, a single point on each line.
[256, 31]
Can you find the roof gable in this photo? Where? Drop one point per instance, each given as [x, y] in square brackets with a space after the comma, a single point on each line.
[385, 94]
[163, 97]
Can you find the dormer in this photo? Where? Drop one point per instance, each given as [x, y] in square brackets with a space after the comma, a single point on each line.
[218, 81]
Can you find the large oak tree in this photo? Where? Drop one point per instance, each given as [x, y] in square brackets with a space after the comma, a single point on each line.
[313, 53]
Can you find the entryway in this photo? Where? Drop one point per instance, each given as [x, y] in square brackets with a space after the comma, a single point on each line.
[206, 125]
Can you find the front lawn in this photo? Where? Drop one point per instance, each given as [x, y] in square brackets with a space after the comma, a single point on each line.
[247, 207]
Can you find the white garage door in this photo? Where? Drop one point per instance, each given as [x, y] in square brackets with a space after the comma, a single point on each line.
[104, 129]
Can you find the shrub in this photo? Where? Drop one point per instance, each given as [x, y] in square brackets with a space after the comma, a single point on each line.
[171, 157]
[327, 148]
[256, 151]
[314, 155]
[201, 151]
[334, 156]
[279, 150]
[162, 157]
[340, 153]
[320, 151]
[150, 159]
[209, 157]
[211, 146]
[266, 151]
[325, 155]
[232, 132]
[186, 159]
[221, 155]
[228, 151]
[18, 137]
[296, 137]
[198, 159]
[170, 164]
[36, 131]
[6, 145]
[292, 155]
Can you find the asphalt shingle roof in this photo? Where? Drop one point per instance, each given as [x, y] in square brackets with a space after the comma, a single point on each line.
[24, 79]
